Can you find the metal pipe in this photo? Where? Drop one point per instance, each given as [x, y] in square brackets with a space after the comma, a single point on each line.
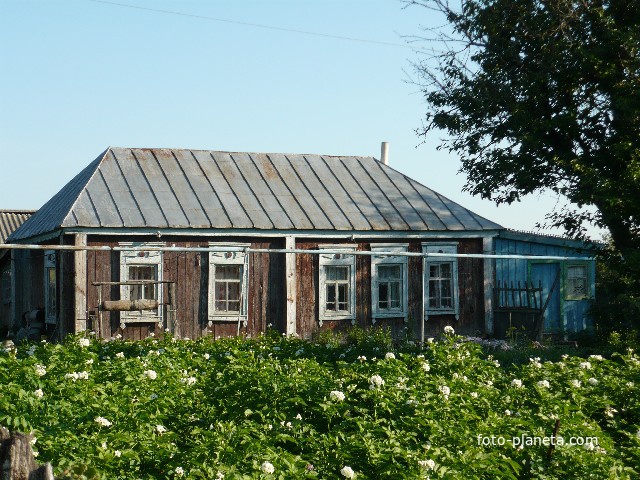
[384, 153]
[288, 250]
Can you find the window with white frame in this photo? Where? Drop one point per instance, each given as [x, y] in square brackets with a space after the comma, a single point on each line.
[50, 287]
[577, 282]
[5, 278]
[228, 276]
[143, 269]
[389, 279]
[441, 279]
[337, 278]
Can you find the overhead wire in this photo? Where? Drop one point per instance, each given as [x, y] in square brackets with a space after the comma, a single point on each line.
[258, 25]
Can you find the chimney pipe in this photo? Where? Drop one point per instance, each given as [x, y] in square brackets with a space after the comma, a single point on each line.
[384, 153]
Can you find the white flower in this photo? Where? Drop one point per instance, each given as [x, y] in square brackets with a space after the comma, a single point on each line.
[426, 367]
[592, 381]
[120, 355]
[189, 380]
[496, 363]
[347, 472]
[219, 476]
[89, 362]
[104, 445]
[117, 336]
[431, 340]
[449, 330]
[565, 356]
[39, 393]
[489, 383]
[427, 464]
[32, 350]
[336, 396]
[589, 446]
[543, 384]
[389, 356]
[151, 374]
[535, 362]
[267, 467]
[576, 383]
[179, 471]
[117, 453]
[376, 381]
[160, 429]
[609, 412]
[206, 356]
[596, 357]
[103, 421]
[474, 394]
[516, 382]
[362, 358]
[41, 370]
[507, 412]
[151, 334]
[585, 365]
[298, 417]
[84, 342]
[83, 375]
[446, 391]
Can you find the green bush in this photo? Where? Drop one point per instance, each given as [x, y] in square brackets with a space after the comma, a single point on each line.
[238, 408]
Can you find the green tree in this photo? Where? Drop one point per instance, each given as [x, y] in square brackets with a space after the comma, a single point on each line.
[544, 95]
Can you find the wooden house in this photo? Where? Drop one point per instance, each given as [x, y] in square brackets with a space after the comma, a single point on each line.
[184, 239]
[10, 220]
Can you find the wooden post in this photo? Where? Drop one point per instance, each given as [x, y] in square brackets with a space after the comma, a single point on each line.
[19, 462]
[290, 279]
[80, 263]
[489, 274]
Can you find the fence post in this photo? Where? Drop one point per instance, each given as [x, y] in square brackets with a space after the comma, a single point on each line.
[17, 460]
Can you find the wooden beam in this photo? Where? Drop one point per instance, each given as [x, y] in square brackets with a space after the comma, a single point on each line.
[290, 279]
[80, 264]
[489, 276]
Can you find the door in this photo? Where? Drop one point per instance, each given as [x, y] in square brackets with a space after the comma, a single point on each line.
[546, 274]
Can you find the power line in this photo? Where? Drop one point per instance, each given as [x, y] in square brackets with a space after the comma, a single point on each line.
[258, 25]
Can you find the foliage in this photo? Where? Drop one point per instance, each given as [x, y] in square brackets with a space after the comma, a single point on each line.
[544, 95]
[279, 407]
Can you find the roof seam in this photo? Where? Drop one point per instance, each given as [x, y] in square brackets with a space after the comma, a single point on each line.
[286, 185]
[153, 193]
[328, 192]
[264, 210]
[297, 174]
[204, 174]
[126, 182]
[373, 204]
[347, 192]
[115, 204]
[253, 225]
[166, 178]
[195, 194]
[272, 192]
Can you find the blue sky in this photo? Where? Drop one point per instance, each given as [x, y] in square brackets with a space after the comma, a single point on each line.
[81, 75]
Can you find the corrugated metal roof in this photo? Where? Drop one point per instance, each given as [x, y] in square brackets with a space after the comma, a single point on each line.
[163, 188]
[10, 220]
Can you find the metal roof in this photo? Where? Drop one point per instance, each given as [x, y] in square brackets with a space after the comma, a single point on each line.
[171, 188]
[10, 220]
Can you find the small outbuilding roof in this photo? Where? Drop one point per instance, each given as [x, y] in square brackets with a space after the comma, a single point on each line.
[183, 189]
[10, 220]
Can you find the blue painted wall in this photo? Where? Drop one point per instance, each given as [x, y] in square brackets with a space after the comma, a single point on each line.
[564, 314]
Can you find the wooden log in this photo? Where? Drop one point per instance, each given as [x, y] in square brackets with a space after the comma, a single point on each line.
[129, 305]
[17, 459]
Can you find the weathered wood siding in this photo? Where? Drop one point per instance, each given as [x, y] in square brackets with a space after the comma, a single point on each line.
[190, 272]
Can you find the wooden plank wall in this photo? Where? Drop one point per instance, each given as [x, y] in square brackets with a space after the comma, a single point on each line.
[190, 271]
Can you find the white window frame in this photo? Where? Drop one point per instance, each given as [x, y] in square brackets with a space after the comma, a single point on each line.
[50, 262]
[336, 260]
[452, 248]
[389, 260]
[130, 258]
[587, 292]
[235, 257]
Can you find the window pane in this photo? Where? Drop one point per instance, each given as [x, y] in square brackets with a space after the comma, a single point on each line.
[342, 292]
[331, 297]
[389, 272]
[383, 292]
[234, 291]
[342, 273]
[228, 272]
[445, 270]
[434, 270]
[395, 294]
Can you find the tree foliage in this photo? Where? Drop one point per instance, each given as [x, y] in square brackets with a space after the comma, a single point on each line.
[544, 95]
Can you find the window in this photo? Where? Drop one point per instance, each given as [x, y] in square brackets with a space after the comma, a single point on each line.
[228, 275]
[50, 287]
[5, 279]
[577, 282]
[389, 281]
[336, 294]
[144, 268]
[441, 280]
